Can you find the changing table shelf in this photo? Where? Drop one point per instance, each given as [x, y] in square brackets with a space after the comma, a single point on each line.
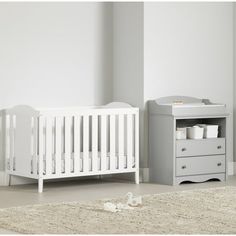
[174, 161]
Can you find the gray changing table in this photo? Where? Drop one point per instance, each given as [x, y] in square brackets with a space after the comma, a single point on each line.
[174, 161]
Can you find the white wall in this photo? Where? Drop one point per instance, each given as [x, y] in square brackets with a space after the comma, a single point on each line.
[188, 50]
[128, 53]
[55, 54]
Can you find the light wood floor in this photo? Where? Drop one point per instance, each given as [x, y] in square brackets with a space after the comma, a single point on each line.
[83, 190]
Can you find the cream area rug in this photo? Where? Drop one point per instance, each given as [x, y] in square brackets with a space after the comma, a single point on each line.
[206, 211]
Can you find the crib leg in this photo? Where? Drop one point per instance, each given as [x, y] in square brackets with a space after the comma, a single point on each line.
[40, 185]
[137, 177]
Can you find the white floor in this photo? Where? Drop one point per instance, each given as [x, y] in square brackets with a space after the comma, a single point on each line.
[83, 190]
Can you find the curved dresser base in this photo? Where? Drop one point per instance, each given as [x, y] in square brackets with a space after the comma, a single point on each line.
[199, 178]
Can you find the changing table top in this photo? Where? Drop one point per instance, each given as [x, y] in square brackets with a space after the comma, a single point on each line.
[186, 106]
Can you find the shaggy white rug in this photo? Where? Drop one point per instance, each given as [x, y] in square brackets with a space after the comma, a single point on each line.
[207, 211]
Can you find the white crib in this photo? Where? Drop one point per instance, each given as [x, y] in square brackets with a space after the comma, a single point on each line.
[58, 143]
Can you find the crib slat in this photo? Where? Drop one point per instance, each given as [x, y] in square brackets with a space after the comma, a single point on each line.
[7, 137]
[41, 146]
[67, 144]
[11, 144]
[35, 128]
[103, 142]
[94, 142]
[112, 143]
[58, 144]
[129, 141]
[77, 144]
[85, 143]
[48, 145]
[137, 140]
[121, 141]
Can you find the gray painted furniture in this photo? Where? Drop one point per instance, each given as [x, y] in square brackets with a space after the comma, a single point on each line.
[174, 161]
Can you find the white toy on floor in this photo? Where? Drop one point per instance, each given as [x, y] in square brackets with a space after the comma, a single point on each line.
[133, 201]
[130, 204]
[108, 206]
[121, 206]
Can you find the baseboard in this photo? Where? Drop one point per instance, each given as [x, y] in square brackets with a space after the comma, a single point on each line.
[3, 178]
[231, 168]
[144, 175]
[15, 180]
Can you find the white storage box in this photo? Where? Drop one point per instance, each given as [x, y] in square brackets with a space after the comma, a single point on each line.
[195, 132]
[181, 133]
[210, 131]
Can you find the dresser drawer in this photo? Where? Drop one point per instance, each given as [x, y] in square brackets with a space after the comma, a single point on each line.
[200, 165]
[200, 147]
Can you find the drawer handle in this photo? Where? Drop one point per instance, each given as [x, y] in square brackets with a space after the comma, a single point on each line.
[219, 164]
[183, 149]
[219, 147]
[184, 167]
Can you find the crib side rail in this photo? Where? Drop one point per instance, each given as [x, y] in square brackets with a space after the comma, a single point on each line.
[89, 142]
[21, 141]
